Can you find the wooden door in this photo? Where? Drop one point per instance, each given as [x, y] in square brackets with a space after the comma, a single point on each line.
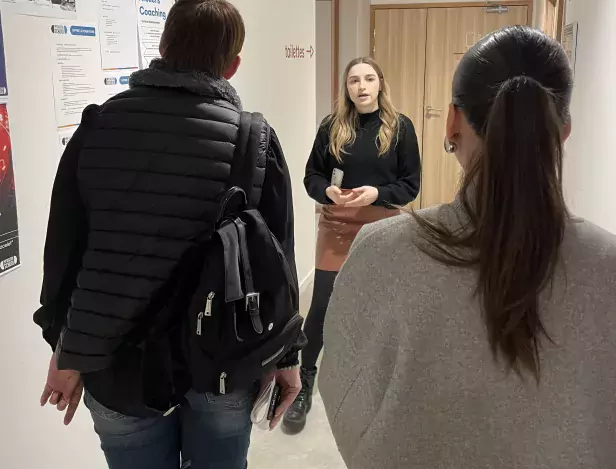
[450, 33]
[400, 49]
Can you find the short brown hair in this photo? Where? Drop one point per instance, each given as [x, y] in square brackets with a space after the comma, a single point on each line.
[202, 35]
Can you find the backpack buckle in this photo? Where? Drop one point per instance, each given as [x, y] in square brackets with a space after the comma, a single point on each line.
[252, 306]
[252, 301]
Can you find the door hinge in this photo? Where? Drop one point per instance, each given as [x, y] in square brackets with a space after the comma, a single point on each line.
[374, 42]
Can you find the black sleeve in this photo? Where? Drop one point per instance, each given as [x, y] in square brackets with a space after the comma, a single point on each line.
[405, 189]
[65, 243]
[276, 204]
[276, 207]
[317, 179]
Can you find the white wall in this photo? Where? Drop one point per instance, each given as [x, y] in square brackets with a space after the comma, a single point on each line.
[24, 355]
[31, 437]
[590, 164]
[284, 91]
[324, 39]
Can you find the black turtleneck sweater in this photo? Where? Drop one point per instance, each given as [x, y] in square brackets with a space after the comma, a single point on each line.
[396, 174]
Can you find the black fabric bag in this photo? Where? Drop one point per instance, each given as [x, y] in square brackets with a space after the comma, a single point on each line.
[228, 314]
[243, 316]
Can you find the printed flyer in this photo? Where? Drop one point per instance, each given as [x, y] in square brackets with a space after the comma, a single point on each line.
[151, 17]
[9, 235]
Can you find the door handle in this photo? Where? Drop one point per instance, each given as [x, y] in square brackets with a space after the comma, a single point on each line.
[430, 111]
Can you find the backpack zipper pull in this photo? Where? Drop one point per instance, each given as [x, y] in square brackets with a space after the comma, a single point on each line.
[223, 384]
[208, 304]
[207, 312]
[199, 319]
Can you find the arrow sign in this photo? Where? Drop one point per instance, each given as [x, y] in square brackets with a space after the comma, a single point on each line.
[297, 52]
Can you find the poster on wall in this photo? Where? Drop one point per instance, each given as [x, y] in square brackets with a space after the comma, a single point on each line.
[76, 70]
[9, 235]
[118, 36]
[151, 17]
[119, 45]
[48, 8]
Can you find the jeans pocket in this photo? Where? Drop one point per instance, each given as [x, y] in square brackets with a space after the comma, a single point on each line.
[99, 409]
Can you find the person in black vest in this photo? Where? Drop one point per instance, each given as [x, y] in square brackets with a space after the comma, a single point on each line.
[138, 183]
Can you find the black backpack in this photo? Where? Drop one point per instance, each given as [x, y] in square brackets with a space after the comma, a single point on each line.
[232, 304]
[243, 316]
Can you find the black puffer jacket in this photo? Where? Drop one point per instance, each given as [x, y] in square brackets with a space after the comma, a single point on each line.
[136, 186]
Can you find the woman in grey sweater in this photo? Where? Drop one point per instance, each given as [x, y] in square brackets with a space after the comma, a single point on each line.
[482, 334]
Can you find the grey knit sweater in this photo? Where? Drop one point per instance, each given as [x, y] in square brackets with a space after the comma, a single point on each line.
[409, 381]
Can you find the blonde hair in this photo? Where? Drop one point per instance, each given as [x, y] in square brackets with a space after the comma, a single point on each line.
[345, 118]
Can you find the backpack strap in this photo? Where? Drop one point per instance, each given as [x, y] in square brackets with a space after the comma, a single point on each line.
[252, 297]
[246, 156]
[239, 280]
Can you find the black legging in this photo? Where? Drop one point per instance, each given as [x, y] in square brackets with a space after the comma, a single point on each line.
[313, 328]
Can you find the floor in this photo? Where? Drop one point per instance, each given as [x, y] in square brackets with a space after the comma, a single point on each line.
[314, 448]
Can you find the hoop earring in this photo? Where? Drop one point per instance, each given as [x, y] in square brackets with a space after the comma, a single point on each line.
[450, 147]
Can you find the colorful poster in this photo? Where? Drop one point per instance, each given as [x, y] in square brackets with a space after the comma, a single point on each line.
[48, 8]
[9, 235]
[77, 76]
[151, 17]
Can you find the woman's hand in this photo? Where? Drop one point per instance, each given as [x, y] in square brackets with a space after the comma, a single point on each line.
[62, 389]
[336, 195]
[363, 196]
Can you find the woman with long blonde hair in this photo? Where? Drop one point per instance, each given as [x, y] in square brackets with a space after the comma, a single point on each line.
[364, 164]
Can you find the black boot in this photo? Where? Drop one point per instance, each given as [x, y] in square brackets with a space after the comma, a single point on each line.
[295, 418]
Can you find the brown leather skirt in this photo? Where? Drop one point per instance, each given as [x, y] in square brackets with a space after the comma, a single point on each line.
[338, 227]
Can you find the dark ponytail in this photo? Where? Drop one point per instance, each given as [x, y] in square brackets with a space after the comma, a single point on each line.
[521, 216]
[512, 194]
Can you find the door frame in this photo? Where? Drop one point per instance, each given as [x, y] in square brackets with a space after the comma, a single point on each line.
[335, 50]
[335, 30]
[404, 6]
[558, 7]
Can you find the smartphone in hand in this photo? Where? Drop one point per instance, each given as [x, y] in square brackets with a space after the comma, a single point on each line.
[274, 402]
[337, 176]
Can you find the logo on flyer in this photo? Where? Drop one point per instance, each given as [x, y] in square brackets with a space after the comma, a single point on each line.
[7, 264]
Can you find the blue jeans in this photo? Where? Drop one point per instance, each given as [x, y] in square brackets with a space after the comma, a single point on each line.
[205, 432]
